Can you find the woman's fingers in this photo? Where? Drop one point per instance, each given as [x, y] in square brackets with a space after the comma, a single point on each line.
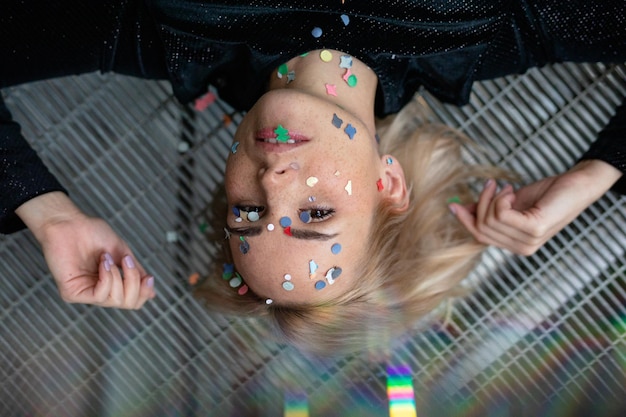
[126, 288]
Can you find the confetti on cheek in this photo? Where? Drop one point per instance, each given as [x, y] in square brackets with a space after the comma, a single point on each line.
[312, 267]
[287, 231]
[233, 148]
[337, 173]
[352, 80]
[316, 32]
[320, 285]
[337, 122]
[389, 161]
[236, 212]
[288, 286]
[379, 184]
[243, 290]
[285, 221]
[332, 274]
[326, 55]
[291, 76]
[331, 89]
[311, 199]
[347, 74]
[269, 301]
[348, 187]
[238, 220]
[244, 246]
[311, 181]
[350, 131]
[336, 248]
[270, 227]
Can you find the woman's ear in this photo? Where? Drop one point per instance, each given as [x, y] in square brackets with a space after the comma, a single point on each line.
[394, 183]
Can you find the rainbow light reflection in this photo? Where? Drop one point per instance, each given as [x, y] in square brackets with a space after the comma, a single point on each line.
[296, 405]
[400, 392]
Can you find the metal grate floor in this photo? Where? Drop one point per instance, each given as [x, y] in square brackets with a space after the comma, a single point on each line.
[543, 335]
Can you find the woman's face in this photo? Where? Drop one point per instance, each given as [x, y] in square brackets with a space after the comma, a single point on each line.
[325, 184]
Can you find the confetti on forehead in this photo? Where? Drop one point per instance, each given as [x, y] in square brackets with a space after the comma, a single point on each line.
[336, 248]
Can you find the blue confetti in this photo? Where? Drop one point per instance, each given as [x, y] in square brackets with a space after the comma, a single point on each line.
[236, 212]
[350, 131]
[337, 122]
[336, 248]
[233, 148]
[285, 221]
[316, 32]
[320, 285]
[345, 19]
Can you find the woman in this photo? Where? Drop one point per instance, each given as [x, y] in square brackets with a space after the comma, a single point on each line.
[394, 49]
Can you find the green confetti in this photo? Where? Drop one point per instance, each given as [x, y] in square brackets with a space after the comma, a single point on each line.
[282, 134]
[352, 80]
[283, 70]
[454, 199]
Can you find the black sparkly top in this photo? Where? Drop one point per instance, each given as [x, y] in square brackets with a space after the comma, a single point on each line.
[233, 45]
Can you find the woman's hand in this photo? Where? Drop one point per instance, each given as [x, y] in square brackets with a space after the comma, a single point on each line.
[523, 220]
[85, 255]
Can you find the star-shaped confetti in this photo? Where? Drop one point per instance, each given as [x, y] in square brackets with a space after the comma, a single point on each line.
[346, 61]
[282, 134]
[331, 89]
[291, 76]
[350, 131]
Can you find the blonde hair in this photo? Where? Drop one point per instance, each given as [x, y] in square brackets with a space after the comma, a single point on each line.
[415, 259]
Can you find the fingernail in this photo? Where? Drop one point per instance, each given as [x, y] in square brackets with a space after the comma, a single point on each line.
[452, 209]
[488, 183]
[150, 282]
[109, 258]
[107, 265]
[129, 261]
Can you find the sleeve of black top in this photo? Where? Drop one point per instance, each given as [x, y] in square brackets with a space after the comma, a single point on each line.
[23, 175]
[610, 146]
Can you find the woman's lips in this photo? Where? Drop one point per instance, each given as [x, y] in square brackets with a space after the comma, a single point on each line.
[266, 141]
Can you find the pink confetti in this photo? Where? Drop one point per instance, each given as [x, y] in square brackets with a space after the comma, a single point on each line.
[379, 184]
[347, 75]
[205, 101]
[331, 89]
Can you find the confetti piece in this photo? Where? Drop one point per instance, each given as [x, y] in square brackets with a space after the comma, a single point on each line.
[243, 290]
[326, 55]
[253, 216]
[287, 231]
[348, 187]
[350, 131]
[233, 148]
[285, 221]
[316, 32]
[269, 301]
[282, 134]
[337, 173]
[352, 80]
[345, 19]
[331, 89]
[288, 286]
[238, 220]
[227, 120]
[205, 101]
[228, 267]
[235, 281]
[270, 227]
[311, 199]
[332, 274]
[305, 217]
[454, 199]
[389, 161]
[287, 277]
[312, 267]
[336, 248]
[194, 278]
[311, 181]
[337, 122]
[236, 211]
[345, 61]
[379, 184]
[282, 70]
[347, 74]
[319, 285]
[291, 76]
[244, 247]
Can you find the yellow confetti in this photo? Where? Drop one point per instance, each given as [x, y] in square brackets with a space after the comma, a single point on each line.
[311, 181]
[326, 55]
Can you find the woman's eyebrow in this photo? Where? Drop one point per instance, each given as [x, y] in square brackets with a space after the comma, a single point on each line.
[303, 234]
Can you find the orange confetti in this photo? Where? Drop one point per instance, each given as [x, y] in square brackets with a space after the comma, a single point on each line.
[194, 278]
[227, 119]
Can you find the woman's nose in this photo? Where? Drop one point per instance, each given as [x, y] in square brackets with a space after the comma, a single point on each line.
[279, 173]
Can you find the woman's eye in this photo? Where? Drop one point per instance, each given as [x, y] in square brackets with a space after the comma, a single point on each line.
[248, 213]
[316, 214]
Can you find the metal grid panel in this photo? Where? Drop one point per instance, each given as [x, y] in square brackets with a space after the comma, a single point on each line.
[544, 335]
